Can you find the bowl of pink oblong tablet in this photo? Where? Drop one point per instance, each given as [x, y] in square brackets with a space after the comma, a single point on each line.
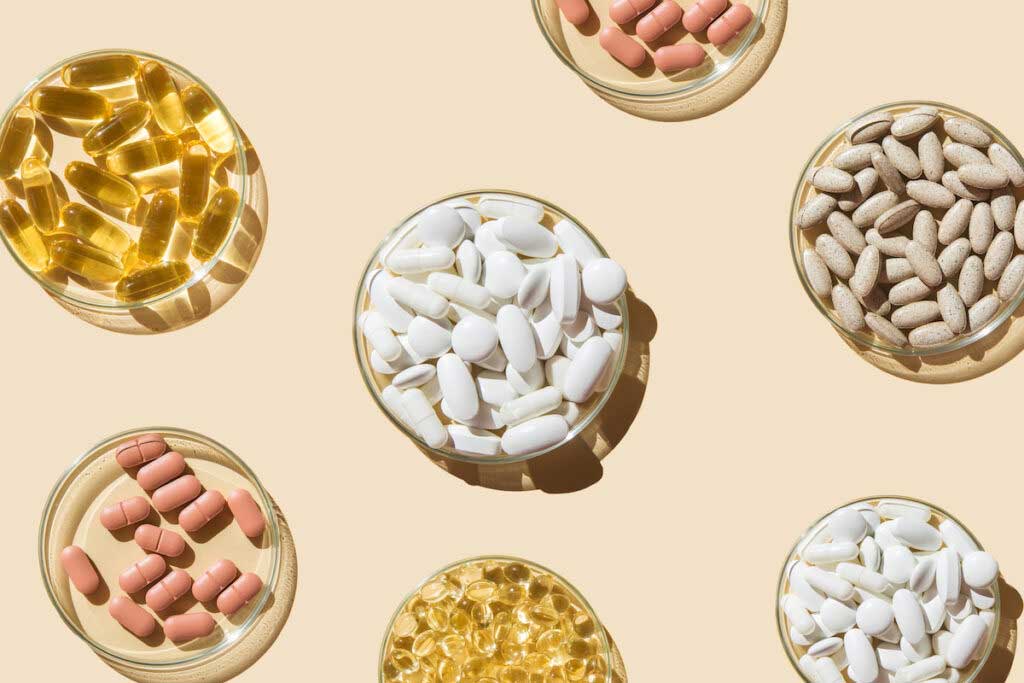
[668, 60]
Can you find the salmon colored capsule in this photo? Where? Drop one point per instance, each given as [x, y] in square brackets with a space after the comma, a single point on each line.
[182, 490]
[625, 11]
[141, 450]
[214, 580]
[184, 627]
[160, 471]
[702, 13]
[729, 25]
[622, 47]
[238, 594]
[80, 570]
[575, 11]
[659, 21]
[247, 513]
[171, 587]
[126, 512]
[132, 616]
[679, 57]
[142, 573]
[201, 511]
[153, 539]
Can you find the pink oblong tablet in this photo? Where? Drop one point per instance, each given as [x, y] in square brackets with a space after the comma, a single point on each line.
[625, 11]
[132, 616]
[702, 13]
[128, 511]
[679, 57]
[80, 570]
[153, 539]
[659, 21]
[140, 450]
[576, 12]
[729, 25]
[160, 471]
[247, 513]
[214, 580]
[184, 627]
[142, 573]
[175, 494]
[171, 587]
[622, 47]
[238, 594]
[200, 511]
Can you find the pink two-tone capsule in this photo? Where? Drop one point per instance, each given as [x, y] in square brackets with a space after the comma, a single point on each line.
[142, 573]
[80, 569]
[238, 594]
[576, 12]
[140, 450]
[160, 471]
[153, 539]
[625, 11]
[171, 587]
[131, 616]
[201, 511]
[120, 515]
[182, 628]
[730, 24]
[247, 513]
[177, 493]
[659, 21]
[214, 580]
[702, 13]
[678, 57]
[622, 47]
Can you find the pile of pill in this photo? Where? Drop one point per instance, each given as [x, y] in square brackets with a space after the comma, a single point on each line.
[505, 323]
[161, 473]
[148, 159]
[924, 231]
[653, 19]
[495, 621]
[890, 591]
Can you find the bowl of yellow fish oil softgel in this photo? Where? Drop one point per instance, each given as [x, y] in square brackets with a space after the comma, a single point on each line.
[499, 619]
[116, 196]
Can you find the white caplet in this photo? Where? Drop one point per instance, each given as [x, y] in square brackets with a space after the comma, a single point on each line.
[531, 405]
[457, 386]
[575, 242]
[474, 441]
[565, 288]
[459, 289]
[379, 335]
[534, 435]
[424, 260]
[516, 337]
[423, 418]
[586, 369]
[526, 237]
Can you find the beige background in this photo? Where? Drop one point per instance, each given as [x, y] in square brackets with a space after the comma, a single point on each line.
[757, 417]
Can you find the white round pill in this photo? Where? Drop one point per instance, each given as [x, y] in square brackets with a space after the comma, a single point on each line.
[980, 569]
[474, 339]
[441, 226]
[604, 281]
[874, 616]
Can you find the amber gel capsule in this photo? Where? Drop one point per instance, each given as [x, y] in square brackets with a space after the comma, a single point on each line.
[93, 228]
[101, 70]
[84, 260]
[208, 119]
[102, 185]
[40, 195]
[215, 224]
[70, 103]
[116, 128]
[194, 188]
[143, 155]
[161, 92]
[22, 234]
[15, 140]
[153, 281]
[158, 226]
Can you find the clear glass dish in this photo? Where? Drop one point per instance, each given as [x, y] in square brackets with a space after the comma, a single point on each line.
[605, 654]
[794, 652]
[802, 239]
[376, 383]
[79, 490]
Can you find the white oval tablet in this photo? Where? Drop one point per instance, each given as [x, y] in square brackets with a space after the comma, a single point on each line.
[474, 339]
[837, 617]
[487, 242]
[516, 337]
[503, 273]
[397, 317]
[576, 243]
[565, 288]
[533, 290]
[586, 369]
[525, 382]
[861, 656]
[457, 386]
[965, 641]
[547, 328]
[415, 376]
[917, 534]
[908, 614]
[534, 435]
[428, 337]
[441, 226]
[468, 261]
[604, 280]
[555, 369]
[526, 237]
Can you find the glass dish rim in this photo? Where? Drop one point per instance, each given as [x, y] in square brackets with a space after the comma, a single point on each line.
[367, 372]
[602, 632]
[780, 617]
[696, 86]
[198, 274]
[275, 546]
[856, 337]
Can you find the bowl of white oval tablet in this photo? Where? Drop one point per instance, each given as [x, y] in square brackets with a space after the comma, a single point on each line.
[888, 588]
[491, 326]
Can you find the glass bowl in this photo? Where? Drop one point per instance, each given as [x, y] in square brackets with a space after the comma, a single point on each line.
[376, 382]
[723, 77]
[473, 568]
[802, 239]
[58, 142]
[815, 532]
[68, 514]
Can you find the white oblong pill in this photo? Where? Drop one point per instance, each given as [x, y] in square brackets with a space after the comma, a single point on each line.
[468, 262]
[423, 418]
[847, 525]
[825, 647]
[604, 280]
[440, 226]
[923, 576]
[922, 670]
[459, 289]
[955, 536]
[606, 316]
[965, 641]
[516, 338]
[565, 288]
[917, 534]
[806, 665]
[861, 656]
[534, 435]
[526, 237]
[915, 652]
[827, 671]
[828, 583]
[898, 564]
[870, 554]
[457, 386]
[909, 616]
[392, 367]
[570, 411]
[495, 389]
[797, 614]
[830, 553]
[890, 658]
[863, 577]
[415, 376]
[494, 206]
[837, 617]
[467, 210]
[397, 317]
[576, 243]
[934, 608]
[474, 441]
[874, 616]
[547, 329]
[503, 273]
[947, 575]
[980, 569]
[586, 369]
[533, 290]
[424, 260]
[582, 328]
[799, 586]
[486, 241]
[531, 405]
[486, 418]
[496, 361]
[428, 337]
[393, 400]
[890, 509]
[525, 382]
[379, 335]
[418, 297]
[474, 339]
[555, 369]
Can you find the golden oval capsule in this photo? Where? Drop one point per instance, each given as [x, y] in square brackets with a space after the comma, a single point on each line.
[16, 140]
[84, 260]
[91, 72]
[70, 103]
[21, 232]
[208, 119]
[194, 187]
[101, 185]
[90, 226]
[158, 226]
[152, 281]
[211, 232]
[40, 195]
[116, 128]
[161, 92]
[143, 155]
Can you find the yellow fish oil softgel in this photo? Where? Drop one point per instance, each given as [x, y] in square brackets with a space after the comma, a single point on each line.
[101, 185]
[144, 155]
[70, 103]
[160, 90]
[91, 227]
[84, 260]
[194, 188]
[15, 140]
[158, 226]
[153, 281]
[215, 224]
[101, 70]
[21, 232]
[209, 120]
[117, 128]
[40, 195]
